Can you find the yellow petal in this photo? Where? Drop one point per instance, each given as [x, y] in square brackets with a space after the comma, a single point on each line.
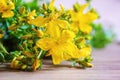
[63, 52]
[62, 24]
[7, 14]
[53, 30]
[39, 21]
[32, 14]
[85, 28]
[57, 55]
[74, 27]
[82, 8]
[6, 7]
[45, 43]
[3, 5]
[3, 1]
[11, 5]
[90, 16]
[70, 50]
[51, 5]
[75, 16]
[67, 35]
[84, 52]
[39, 33]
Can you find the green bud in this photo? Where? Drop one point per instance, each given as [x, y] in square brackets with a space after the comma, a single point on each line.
[88, 0]
[76, 7]
[44, 6]
[24, 67]
[20, 57]
[22, 10]
[88, 37]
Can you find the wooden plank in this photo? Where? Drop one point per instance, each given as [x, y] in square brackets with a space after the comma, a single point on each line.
[106, 67]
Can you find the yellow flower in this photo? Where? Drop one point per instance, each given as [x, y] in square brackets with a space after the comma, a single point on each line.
[31, 16]
[61, 47]
[6, 8]
[82, 20]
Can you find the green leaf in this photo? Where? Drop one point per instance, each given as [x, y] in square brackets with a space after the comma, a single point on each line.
[2, 58]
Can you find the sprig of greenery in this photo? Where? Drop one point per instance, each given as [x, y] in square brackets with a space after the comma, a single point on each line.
[100, 38]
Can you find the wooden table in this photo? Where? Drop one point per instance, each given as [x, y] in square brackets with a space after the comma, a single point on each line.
[106, 67]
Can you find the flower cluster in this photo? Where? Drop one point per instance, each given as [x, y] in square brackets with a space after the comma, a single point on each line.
[28, 35]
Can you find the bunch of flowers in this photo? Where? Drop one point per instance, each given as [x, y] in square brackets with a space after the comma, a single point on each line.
[28, 34]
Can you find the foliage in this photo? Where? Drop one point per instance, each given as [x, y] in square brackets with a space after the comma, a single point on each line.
[100, 36]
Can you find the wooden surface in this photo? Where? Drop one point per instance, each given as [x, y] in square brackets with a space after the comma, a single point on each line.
[106, 67]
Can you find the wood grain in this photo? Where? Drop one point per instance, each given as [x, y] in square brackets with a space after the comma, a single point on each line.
[106, 67]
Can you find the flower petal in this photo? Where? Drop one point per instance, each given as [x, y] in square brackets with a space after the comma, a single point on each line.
[39, 21]
[62, 24]
[84, 52]
[63, 52]
[7, 14]
[53, 30]
[85, 28]
[67, 35]
[51, 5]
[45, 43]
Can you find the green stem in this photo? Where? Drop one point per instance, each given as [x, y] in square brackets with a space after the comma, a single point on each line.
[3, 48]
[40, 53]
